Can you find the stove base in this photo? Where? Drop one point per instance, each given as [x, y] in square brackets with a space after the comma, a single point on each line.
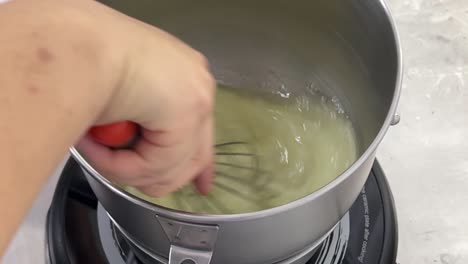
[75, 233]
[128, 248]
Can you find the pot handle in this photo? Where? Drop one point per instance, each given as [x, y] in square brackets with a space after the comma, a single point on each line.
[190, 243]
[395, 119]
[181, 255]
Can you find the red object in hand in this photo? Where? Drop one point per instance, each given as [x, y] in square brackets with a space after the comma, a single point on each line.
[116, 135]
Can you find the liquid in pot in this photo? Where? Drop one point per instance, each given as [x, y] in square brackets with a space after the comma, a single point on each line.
[299, 143]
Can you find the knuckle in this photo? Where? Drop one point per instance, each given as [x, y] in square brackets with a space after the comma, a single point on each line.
[205, 101]
[202, 59]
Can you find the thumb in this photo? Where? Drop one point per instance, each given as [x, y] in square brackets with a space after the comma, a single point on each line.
[204, 182]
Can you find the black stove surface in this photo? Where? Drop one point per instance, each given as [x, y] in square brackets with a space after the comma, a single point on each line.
[366, 235]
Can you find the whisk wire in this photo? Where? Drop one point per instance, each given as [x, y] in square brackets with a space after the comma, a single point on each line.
[239, 175]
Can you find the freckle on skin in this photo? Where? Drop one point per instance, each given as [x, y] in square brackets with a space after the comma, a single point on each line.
[44, 55]
[33, 89]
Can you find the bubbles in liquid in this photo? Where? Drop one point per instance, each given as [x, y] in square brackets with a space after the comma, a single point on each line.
[284, 155]
[338, 106]
[300, 167]
[299, 140]
[283, 94]
[313, 88]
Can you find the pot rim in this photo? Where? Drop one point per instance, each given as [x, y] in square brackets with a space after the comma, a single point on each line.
[210, 218]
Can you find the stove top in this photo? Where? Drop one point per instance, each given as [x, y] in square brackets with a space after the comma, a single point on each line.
[78, 231]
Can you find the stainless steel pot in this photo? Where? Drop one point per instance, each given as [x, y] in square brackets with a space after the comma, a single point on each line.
[351, 47]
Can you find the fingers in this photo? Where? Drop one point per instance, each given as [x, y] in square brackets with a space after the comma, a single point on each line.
[154, 169]
[180, 178]
[120, 166]
[203, 180]
[198, 169]
[170, 182]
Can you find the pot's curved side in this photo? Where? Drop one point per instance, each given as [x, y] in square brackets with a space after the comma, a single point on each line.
[249, 241]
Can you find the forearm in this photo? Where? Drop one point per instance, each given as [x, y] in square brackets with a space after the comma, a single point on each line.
[52, 88]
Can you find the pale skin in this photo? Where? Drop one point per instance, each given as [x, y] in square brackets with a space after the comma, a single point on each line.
[67, 65]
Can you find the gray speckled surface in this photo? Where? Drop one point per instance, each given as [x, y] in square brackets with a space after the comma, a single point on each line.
[425, 156]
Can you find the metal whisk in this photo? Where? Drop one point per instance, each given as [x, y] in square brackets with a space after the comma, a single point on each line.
[238, 173]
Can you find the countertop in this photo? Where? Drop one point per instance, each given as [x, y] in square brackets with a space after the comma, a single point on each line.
[425, 157]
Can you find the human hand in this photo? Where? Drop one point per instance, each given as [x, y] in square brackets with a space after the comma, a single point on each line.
[166, 87]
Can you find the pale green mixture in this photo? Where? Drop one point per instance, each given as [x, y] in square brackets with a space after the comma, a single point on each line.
[299, 144]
